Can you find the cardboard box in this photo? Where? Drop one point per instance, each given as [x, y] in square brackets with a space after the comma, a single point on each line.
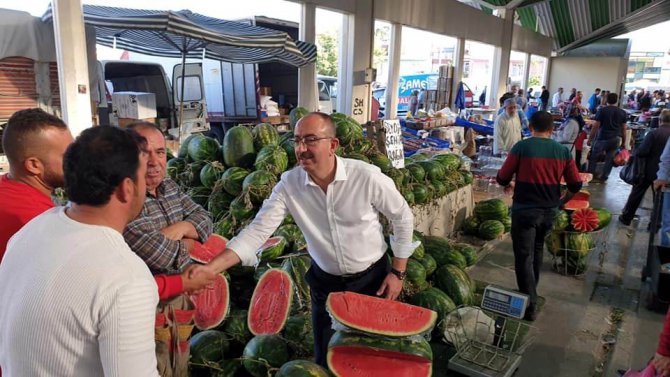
[124, 122]
[134, 105]
[281, 119]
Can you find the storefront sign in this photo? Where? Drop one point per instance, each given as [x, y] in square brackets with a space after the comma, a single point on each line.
[360, 106]
[393, 143]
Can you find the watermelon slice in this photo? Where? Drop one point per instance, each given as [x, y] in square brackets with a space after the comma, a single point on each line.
[204, 253]
[352, 354]
[575, 204]
[212, 304]
[271, 302]
[379, 316]
[272, 249]
[585, 220]
[586, 178]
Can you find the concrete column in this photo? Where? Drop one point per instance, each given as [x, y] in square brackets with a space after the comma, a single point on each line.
[308, 95]
[360, 38]
[459, 66]
[345, 64]
[501, 59]
[391, 110]
[72, 64]
[526, 72]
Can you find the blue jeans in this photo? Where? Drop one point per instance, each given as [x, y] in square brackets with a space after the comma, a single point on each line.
[665, 220]
[608, 147]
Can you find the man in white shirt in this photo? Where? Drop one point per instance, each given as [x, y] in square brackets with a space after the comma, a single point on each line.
[506, 128]
[336, 203]
[557, 98]
[76, 300]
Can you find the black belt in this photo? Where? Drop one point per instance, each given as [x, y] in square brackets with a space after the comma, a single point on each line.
[361, 273]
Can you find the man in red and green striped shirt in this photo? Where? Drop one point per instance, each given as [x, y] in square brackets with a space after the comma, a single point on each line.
[537, 165]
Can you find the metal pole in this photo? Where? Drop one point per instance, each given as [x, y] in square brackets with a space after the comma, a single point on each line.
[181, 96]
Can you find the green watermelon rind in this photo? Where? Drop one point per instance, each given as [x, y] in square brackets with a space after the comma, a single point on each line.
[415, 346]
[264, 351]
[207, 348]
[302, 368]
[455, 283]
[238, 147]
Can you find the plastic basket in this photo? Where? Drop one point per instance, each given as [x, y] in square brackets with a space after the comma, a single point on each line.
[487, 339]
[572, 255]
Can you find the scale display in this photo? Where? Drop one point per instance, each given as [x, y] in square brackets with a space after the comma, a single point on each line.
[503, 301]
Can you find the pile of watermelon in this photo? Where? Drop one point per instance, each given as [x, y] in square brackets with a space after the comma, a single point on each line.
[425, 178]
[490, 219]
[574, 234]
[371, 341]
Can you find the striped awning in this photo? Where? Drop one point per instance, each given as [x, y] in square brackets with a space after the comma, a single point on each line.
[575, 23]
[184, 33]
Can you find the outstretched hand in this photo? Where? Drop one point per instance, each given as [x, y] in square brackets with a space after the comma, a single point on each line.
[196, 277]
[662, 365]
[391, 287]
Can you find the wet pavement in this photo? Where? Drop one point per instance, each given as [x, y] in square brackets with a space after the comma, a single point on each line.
[597, 323]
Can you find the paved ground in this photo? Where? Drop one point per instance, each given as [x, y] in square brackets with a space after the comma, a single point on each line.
[582, 316]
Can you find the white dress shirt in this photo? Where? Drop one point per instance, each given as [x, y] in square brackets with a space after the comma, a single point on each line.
[556, 99]
[341, 226]
[506, 132]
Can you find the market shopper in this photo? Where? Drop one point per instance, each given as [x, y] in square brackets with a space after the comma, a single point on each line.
[557, 99]
[663, 179]
[414, 102]
[661, 360]
[544, 99]
[536, 164]
[170, 222]
[650, 150]
[567, 136]
[82, 303]
[336, 202]
[506, 128]
[607, 134]
[594, 101]
[34, 142]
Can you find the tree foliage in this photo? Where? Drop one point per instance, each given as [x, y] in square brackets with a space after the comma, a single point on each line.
[327, 50]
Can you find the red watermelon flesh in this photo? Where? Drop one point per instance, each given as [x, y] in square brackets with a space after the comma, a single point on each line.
[575, 204]
[271, 302]
[581, 195]
[586, 178]
[378, 315]
[585, 220]
[346, 361]
[204, 253]
[211, 304]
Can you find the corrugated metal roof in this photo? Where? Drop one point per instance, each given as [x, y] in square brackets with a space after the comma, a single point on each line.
[574, 23]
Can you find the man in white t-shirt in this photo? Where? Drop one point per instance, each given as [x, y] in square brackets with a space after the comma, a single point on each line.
[76, 300]
[557, 99]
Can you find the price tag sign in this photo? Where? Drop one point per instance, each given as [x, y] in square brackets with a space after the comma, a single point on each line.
[361, 103]
[393, 142]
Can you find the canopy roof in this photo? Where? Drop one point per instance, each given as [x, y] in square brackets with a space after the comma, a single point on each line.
[176, 33]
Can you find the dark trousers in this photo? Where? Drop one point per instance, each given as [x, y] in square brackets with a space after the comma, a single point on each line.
[634, 199]
[578, 159]
[600, 147]
[529, 227]
[322, 283]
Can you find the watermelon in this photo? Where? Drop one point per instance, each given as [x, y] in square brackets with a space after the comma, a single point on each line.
[259, 185]
[491, 229]
[238, 147]
[585, 177]
[604, 217]
[468, 252]
[449, 161]
[416, 273]
[382, 162]
[208, 348]
[416, 172]
[420, 194]
[420, 251]
[554, 243]
[289, 148]
[467, 177]
[264, 352]
[183, 147]
[429, 264]
[575, 265]
[204, 253]
[270, 303]
[174, 167]
[561, 220]
[200, 195]
[241, 208]
[507, 223]
[379, 316]
[439, 248]
[272, 249]
[348, 131]
[297, 268]
[434, 170]
[272, 158]
[302, 368]
[585, 220]
[408, 195]
[225, 227]
[295, 240]
[358, 156]
[575, 204]
[295, 114]
[358, 355]
[232, 179]
[455, 283]
[219, 202]
[299, 335]
[437, 301]
[210, 173]
[471, 226]
[203, 149]
[441, 189]
[211, 304]
[264, 134]
[579, 244]
[236, 328]
[191, 174]
[492, 209]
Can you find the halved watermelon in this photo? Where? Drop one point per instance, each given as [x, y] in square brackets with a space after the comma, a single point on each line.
[272, 249]
[212, 304]
[204, 253]
[271, 302]
[585, 220]
[573, 204]
[351, 354]
[586, 178]
[379, 316]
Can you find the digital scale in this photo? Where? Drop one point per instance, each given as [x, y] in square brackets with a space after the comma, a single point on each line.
[476, 359]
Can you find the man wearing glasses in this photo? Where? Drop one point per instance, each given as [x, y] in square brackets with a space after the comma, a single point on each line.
[336, 203]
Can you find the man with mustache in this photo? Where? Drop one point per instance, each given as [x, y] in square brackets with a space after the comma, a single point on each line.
[336, 202]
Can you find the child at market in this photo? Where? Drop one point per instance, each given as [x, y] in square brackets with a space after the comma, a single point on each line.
[537, 165]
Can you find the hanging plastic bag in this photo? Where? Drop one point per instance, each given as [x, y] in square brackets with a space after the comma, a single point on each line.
[649, 371]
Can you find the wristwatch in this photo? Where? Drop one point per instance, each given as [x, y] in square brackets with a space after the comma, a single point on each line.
[399, 274]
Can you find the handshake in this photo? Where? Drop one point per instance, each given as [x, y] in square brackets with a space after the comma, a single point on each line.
[196, 277]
